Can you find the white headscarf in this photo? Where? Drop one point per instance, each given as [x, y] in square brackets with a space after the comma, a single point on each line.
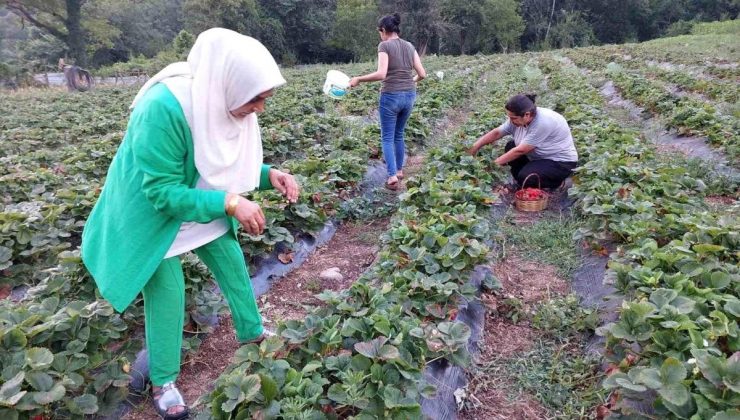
[224, 71]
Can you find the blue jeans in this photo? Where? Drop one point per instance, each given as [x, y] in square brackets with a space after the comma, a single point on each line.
[395, 109]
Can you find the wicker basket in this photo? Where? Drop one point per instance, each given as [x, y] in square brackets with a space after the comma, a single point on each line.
[531, 205]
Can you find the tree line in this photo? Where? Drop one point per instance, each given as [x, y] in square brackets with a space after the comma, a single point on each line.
[102, 32]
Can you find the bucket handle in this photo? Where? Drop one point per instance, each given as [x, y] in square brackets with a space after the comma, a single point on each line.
[539, 183]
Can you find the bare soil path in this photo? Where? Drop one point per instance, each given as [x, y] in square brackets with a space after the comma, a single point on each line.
[524, 282]
[352, 249]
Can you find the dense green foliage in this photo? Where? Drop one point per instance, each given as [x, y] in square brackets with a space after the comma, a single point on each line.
[675, 343]
[34, 34]
[64, 349]
[362, 353]
[649, 86]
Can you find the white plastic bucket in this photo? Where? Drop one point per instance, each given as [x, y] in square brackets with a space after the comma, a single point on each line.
[336, 84]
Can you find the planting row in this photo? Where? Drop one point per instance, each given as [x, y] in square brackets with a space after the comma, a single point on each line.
[685, 114]
[54, 163]
[686, 78]
[675, 345]
[713, 53]
[64, 351]
[363, 351]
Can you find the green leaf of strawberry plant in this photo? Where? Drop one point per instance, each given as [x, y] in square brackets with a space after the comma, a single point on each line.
[10, 392]
[85, 404]
[56, 393]
[38, 357]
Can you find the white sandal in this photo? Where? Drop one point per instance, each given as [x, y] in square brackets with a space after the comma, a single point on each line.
[166, 397]
[260, 338]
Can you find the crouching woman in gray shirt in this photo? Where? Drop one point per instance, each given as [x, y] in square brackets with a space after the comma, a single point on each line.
[542, 143]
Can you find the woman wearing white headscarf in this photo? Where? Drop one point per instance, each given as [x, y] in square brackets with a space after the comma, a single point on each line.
[192, 146]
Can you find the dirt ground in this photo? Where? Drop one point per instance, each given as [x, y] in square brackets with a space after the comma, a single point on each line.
[352, 249]
[720, 200]
[528, 282]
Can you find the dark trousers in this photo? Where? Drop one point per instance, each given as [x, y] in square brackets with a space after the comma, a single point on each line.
[551, 173]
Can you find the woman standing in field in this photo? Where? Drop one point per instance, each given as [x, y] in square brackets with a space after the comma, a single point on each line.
[191, 147]
[396, 60]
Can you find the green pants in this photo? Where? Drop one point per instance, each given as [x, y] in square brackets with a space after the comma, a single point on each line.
[164, 304]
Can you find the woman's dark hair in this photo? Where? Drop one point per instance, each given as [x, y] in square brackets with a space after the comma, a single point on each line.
[390, 23]
[521, 104]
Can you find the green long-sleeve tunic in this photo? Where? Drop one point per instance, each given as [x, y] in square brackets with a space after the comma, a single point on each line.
[148, 193]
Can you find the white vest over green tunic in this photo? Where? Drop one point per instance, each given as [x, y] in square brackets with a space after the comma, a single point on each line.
[183, 151]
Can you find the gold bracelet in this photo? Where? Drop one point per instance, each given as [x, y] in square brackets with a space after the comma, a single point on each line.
[232, 204]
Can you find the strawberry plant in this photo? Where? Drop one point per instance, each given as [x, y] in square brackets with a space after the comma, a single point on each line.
[363, 351]
[677, 267]
[67, 356]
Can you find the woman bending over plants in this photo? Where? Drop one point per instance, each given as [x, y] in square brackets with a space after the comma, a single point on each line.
[192, 146]
[542, 143]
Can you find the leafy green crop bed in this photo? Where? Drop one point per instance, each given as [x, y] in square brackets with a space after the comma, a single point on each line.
[676, 341]
[64, 351]
[362, 353]
[687, 115]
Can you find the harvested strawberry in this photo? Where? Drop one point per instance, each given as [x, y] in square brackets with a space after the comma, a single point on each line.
[530, 194]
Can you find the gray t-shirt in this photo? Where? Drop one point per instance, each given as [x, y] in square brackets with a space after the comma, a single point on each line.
[399, 77]
[548, 133]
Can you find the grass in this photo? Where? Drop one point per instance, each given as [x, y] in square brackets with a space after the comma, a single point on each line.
[556, 371]
[549, 240]
[722, 27]
[559, 376]
[563, 317]
[369, 238]
[314, 285]
[721, 47]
